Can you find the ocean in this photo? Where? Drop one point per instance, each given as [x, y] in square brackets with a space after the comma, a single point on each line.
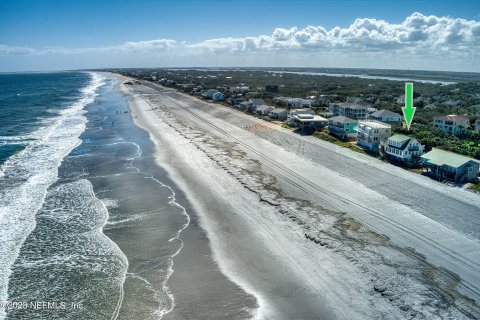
[90, 225]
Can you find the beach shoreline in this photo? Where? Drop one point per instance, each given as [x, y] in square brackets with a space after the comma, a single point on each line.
[201, 165]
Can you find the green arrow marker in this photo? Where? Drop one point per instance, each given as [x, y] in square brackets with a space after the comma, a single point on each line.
[408, 110]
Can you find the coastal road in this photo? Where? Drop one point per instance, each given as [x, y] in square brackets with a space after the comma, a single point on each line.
[438, 221]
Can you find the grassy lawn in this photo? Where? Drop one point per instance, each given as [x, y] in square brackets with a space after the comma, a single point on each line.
[325, 136]
[286, 126]
[475, 187]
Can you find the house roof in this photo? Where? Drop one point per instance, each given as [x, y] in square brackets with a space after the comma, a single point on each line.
[279, 110]
[263, 107]
[441, 157]
[399, 138]
[314, 118]
[452, 117]
[257, 102]
[351, 105]
[385, 114]
[342, 119]
[375, 124]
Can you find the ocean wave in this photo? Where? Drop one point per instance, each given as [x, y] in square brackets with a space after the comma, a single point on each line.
[26, 176]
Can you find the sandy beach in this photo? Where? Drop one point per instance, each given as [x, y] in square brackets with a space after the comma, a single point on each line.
[299, 258]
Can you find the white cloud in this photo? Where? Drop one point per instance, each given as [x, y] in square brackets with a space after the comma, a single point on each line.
[423, 33]
[418, 35]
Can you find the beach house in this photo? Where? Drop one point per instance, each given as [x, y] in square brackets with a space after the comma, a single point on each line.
[253, 103]
[386, 116]
[305, 119]
[403, 149]
[342, 127]
[263, 110]
[210, 93]
[218, 96]
[298, 103]
[278, 114]
[445, 165]
[351, 110]
[453, 123]
[371, 132]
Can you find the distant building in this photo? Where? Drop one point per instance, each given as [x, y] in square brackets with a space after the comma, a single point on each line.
[234, 101]
[453, 103]
[271, 88]
[242, 105]
[445, 165]
[351, 110]
[453, 124]
[387, 116]
[278, 114]
[342, 127]
[240, 88]
[403, 149]
[281, 100]
[400, 100]
[305, 119]
[477, 125]
[356, 100]
[209, 93]
[371, 132]
[254, 103]
[263, 110]
[218, 96]
[299, 103]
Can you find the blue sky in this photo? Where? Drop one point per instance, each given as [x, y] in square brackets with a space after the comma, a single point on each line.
[39, 35]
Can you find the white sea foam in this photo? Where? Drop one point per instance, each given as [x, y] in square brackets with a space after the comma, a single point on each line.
[26, 176]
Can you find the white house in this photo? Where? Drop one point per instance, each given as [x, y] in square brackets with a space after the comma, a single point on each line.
[403, 149]
[351, 110]
[453, 123]
[278, 114]
[305, 119]
[371, 132]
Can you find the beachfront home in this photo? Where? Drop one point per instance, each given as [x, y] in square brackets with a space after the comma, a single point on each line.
[351, 110]
[299, 103]
[234, 101]
[218, 96]
[278, 114]
[445, 165]
[210, 92]
[253, 103]
[371, 132]
[453, 123]
[342, 127]
[387, 116]
[263, 110]
[403, 149]
[305, 119]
